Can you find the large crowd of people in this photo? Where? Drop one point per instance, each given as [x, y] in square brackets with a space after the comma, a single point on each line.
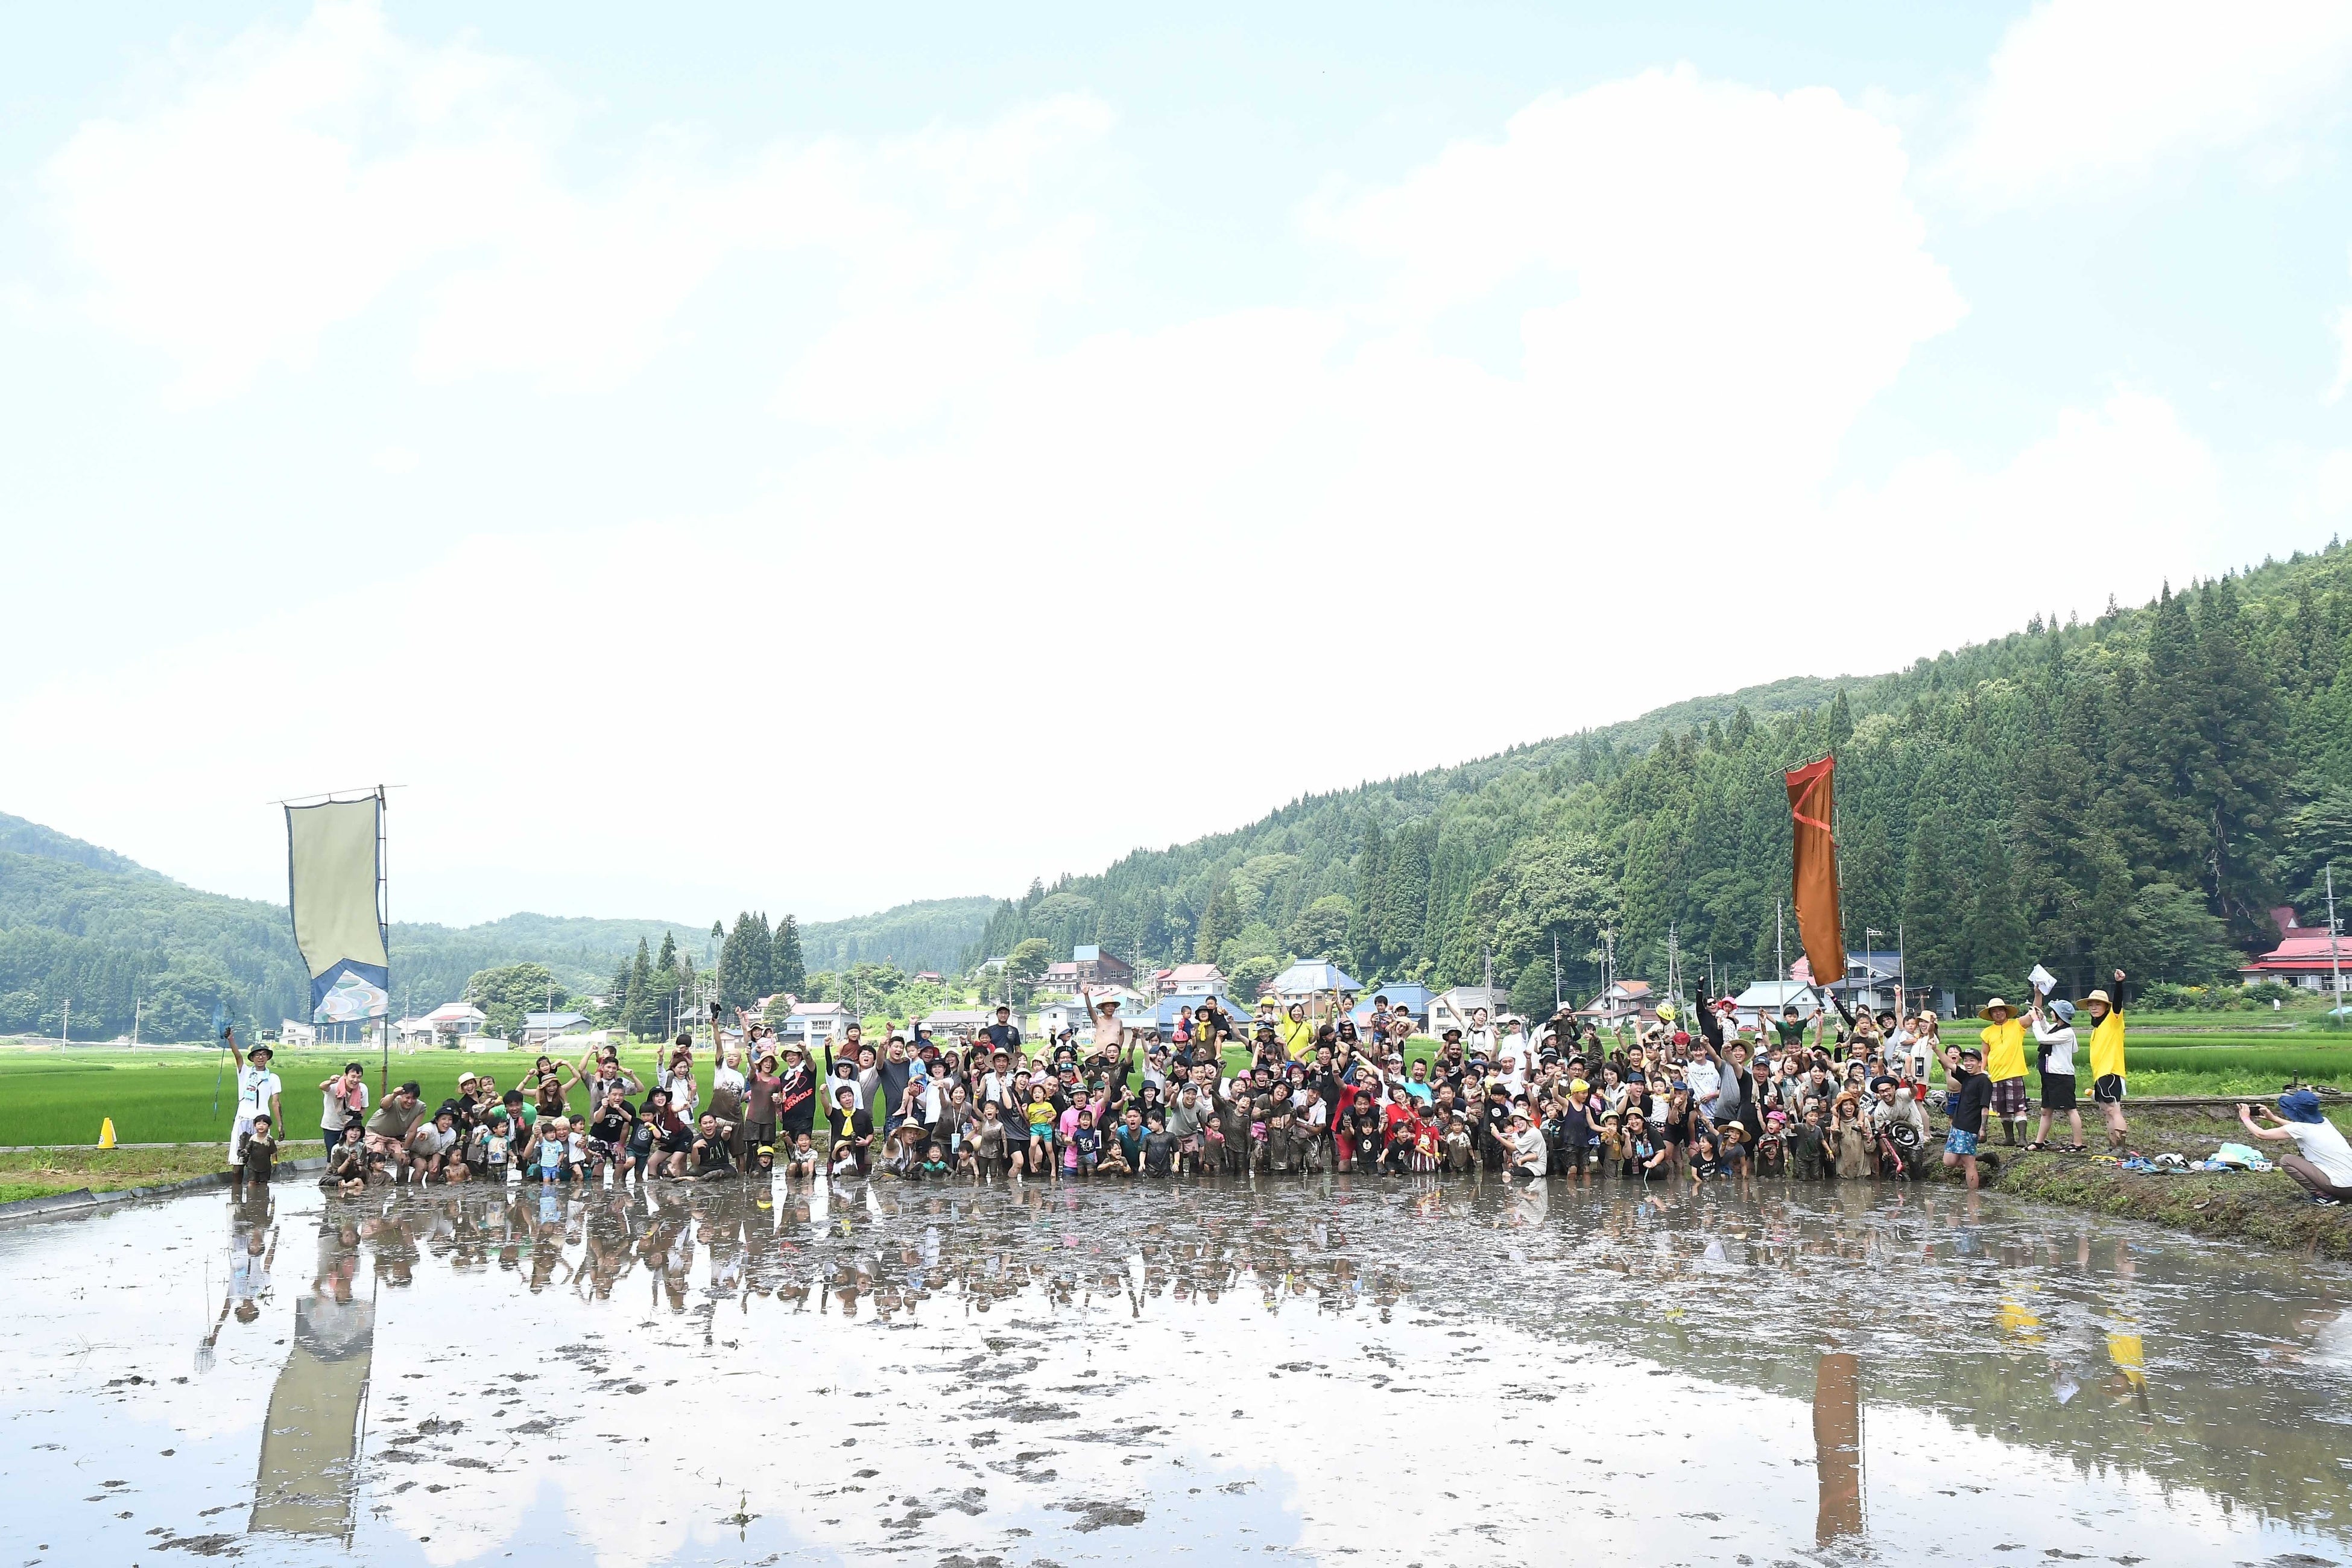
[1847, 1094]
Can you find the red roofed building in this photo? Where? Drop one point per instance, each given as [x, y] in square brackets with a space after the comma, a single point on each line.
[2305, 955]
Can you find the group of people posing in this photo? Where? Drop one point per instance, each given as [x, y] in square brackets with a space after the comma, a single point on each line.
[1289, 1092]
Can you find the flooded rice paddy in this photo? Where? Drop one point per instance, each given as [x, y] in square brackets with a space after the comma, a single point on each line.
[1375, 1372]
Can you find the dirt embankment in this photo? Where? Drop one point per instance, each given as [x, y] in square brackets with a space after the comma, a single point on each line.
[2260, 1207]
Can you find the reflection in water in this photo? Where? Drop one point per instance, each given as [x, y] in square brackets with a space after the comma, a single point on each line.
[311, 1436]
[1089, 1374]
[1837, 1446]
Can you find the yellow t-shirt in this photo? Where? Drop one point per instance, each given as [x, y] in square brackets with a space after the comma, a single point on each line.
[2107, 1046]
[2004, 1047]
[1297, 1037]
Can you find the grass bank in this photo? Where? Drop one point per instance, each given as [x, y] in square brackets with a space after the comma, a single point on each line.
[2267, 1207]
[38, 1172]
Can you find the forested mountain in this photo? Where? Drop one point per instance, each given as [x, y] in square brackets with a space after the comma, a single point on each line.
[2138, 790]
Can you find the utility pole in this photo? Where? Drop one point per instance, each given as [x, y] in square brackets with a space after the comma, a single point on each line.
[65, 1026]
[1869, 946]
[1779, 941]
[2335, 960]
[136, 1002]
[1555, 973]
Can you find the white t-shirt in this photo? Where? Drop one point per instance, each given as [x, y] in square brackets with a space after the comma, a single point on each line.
[333, 1109]
[428, 1139]
[2061, 1042]
[256, 1088]
[2324, 1146]
[1529, 1148]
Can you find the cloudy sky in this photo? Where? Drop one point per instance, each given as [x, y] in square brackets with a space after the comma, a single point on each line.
[815, 457]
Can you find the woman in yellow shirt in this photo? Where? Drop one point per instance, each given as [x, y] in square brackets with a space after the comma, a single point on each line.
[2004, 1059]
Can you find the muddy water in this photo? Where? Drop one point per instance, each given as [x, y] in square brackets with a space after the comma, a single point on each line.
[1374, 1372]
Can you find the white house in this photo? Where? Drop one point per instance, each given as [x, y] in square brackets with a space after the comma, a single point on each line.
[290, 1033]
[1193, 980]
[1625, 1002]
[1452, 1009]
[812, 1026]
[1766, 998]
[455, 1022]
[1053, 1018]
[539, 1028]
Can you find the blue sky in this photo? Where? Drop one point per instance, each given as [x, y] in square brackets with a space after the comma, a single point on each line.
[924, 407]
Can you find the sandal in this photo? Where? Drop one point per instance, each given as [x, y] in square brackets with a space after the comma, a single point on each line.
[2076, 1149]
[2036, 1146]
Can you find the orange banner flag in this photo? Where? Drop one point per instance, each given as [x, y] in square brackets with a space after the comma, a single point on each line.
[1814, 885]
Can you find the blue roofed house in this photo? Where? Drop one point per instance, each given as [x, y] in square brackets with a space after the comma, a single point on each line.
[1405, 995]
[1313, 977]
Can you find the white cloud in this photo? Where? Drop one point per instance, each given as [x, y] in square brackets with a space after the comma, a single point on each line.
[1180, 529]
[2085, 94]
[2112, 501]
[287, 184]
[2342, 324]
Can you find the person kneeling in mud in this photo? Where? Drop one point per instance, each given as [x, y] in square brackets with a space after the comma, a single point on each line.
[711, 1151]
[2322, 1161]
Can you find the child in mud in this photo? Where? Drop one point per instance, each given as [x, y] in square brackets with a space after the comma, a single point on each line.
[1612, 1144]
[1085, 1144]
[967, 1160]
[1456, 1150]
[347, 1164]
[643, 1137]
[935, 1163]
[802, 1166]
[554, 1146]
[1041, 1116]
[1806, 1144]
[1772, 1147]
[1227, 1139]
[1159, 1149]
[987, 1145]
[1705, 1159]
[258, 1155]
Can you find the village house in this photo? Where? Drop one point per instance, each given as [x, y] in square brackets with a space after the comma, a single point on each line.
[2305, 956]
[1624, 1002]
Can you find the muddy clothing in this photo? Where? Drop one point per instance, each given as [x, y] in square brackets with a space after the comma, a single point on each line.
[396, 1121]
[260, 1152]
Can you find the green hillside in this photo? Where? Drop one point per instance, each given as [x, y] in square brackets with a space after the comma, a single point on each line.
[2136, 790]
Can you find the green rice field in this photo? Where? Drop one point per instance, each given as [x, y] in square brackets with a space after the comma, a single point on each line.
[56, 1096]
